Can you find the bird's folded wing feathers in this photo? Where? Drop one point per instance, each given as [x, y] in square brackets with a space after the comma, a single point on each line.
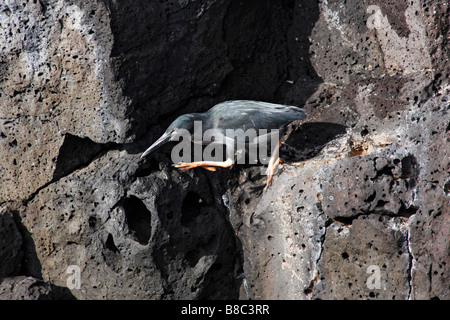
[246, 114]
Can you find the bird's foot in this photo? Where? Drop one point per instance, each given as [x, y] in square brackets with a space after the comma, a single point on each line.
[270, 171]
[269, 178]
[186, 166]
[208, 165]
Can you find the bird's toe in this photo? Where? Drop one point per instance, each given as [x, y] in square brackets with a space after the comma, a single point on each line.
[184, 166]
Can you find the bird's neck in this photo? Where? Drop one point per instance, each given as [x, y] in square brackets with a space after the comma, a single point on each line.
[202, 117]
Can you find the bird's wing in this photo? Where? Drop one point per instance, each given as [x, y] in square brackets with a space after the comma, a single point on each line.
[247, 114]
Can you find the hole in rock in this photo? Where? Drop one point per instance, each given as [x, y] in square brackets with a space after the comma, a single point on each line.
[447, 187]
[191, 207]
[92, 221]
[148, 167]
[74, 152]
[138, 218]
[371, 197]
[408, 166]
[109, 244]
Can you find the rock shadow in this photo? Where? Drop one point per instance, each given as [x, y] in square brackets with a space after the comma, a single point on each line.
[30, 265]
[309, 139]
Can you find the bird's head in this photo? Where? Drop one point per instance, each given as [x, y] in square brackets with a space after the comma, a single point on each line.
[177, 128]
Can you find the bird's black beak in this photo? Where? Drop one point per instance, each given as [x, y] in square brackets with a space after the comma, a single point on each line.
[162, 140]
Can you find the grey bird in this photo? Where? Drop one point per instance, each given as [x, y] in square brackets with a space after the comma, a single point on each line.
[234, 115]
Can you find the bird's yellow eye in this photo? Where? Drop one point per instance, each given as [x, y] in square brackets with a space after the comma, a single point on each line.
[175, 130]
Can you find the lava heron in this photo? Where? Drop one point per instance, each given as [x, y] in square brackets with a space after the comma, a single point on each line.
[268, 120]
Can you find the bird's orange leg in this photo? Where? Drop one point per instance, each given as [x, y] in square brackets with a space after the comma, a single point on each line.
[273, 163]
[208, 165]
